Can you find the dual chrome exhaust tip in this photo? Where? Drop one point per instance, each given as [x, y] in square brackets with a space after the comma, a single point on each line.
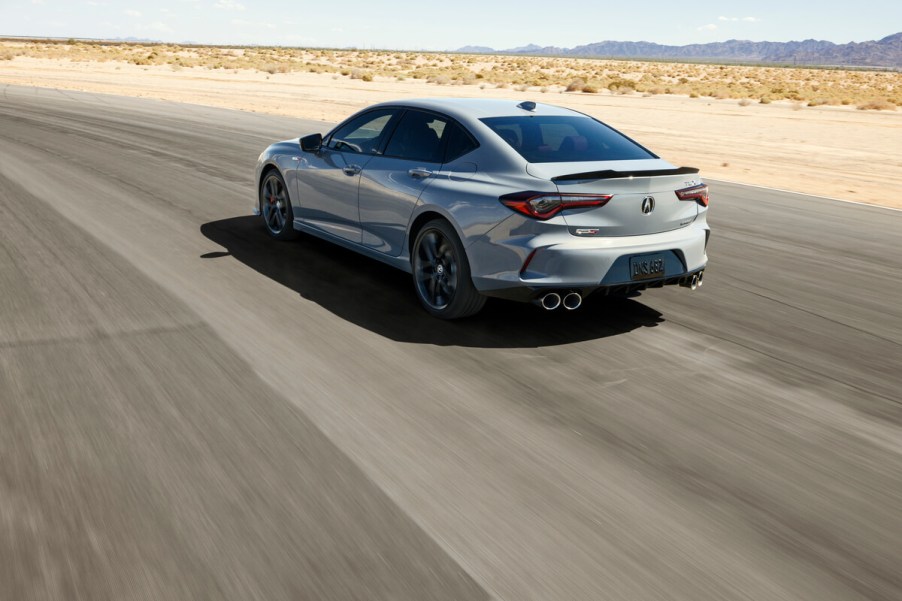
[694, 282]
[573, 300]
[553, 300]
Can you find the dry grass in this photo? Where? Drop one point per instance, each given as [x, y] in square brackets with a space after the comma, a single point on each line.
[868, 90]
[877, 105]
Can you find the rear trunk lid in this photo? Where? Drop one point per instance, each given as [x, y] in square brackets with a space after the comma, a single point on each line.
[643, 195]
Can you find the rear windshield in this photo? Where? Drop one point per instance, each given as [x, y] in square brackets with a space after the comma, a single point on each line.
[564, 139]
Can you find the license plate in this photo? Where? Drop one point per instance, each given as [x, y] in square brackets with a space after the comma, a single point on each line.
[647, 267]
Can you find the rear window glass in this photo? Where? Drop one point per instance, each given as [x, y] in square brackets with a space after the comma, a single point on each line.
[565, 139]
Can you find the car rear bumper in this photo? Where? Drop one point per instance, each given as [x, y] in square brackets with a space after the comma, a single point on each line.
[585, 264]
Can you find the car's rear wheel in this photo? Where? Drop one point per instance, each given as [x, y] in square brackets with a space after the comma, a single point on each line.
[441, 273]
[275, 207]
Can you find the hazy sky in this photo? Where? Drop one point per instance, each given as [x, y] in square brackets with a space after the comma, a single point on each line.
[430, 25]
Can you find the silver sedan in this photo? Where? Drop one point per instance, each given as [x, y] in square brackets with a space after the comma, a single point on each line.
[480, 198]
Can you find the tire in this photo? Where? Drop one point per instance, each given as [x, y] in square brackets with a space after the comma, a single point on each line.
[275, 207]
[441, 273]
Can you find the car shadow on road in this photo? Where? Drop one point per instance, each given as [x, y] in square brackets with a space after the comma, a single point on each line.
[381, 299]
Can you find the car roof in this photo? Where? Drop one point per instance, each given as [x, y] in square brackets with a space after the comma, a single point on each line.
[467, 109]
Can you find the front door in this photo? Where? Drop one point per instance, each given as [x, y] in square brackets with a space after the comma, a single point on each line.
[328, 180]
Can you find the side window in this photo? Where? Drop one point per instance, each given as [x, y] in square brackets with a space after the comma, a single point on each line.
[457, 142]
[363, 134]
[418, 137]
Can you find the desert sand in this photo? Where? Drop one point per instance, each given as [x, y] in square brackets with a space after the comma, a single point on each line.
[833, 151]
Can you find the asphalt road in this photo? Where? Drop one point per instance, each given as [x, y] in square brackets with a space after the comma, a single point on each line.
[190, 411]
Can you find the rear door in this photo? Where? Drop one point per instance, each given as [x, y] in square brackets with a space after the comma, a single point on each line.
[392, 183]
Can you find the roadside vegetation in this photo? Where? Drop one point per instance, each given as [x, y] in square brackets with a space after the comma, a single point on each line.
[866, 90]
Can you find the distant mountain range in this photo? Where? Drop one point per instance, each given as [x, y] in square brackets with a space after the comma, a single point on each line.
[879, 53]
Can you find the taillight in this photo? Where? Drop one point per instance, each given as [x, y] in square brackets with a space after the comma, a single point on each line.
[545, 205]
[697, 193]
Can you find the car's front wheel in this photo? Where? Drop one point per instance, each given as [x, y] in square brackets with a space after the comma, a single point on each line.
[275, 207]
[441, 273]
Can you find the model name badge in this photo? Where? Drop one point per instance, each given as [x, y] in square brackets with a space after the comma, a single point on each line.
[586, 232]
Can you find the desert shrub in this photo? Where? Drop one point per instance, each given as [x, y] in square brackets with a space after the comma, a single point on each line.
[745, 102]
[439, 80]
[764, 100]
[366, 77]
[273, 68]
[621, 84]
[576, 84]
[693, 95]
[588, 89]
[877, 105]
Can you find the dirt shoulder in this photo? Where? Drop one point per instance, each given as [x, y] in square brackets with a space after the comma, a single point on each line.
[829, 151]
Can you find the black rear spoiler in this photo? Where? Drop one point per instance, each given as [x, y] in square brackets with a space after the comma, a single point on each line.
[611, 174]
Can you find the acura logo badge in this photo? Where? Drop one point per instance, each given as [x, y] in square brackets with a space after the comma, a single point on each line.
[648, 205]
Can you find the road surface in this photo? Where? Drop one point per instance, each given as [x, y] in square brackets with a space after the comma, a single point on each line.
[191, 411]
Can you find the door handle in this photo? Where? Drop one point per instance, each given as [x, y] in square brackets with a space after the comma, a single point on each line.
[351, 169]
[419, 173]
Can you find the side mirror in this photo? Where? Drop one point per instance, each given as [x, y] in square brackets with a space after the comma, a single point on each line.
[311, 143]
